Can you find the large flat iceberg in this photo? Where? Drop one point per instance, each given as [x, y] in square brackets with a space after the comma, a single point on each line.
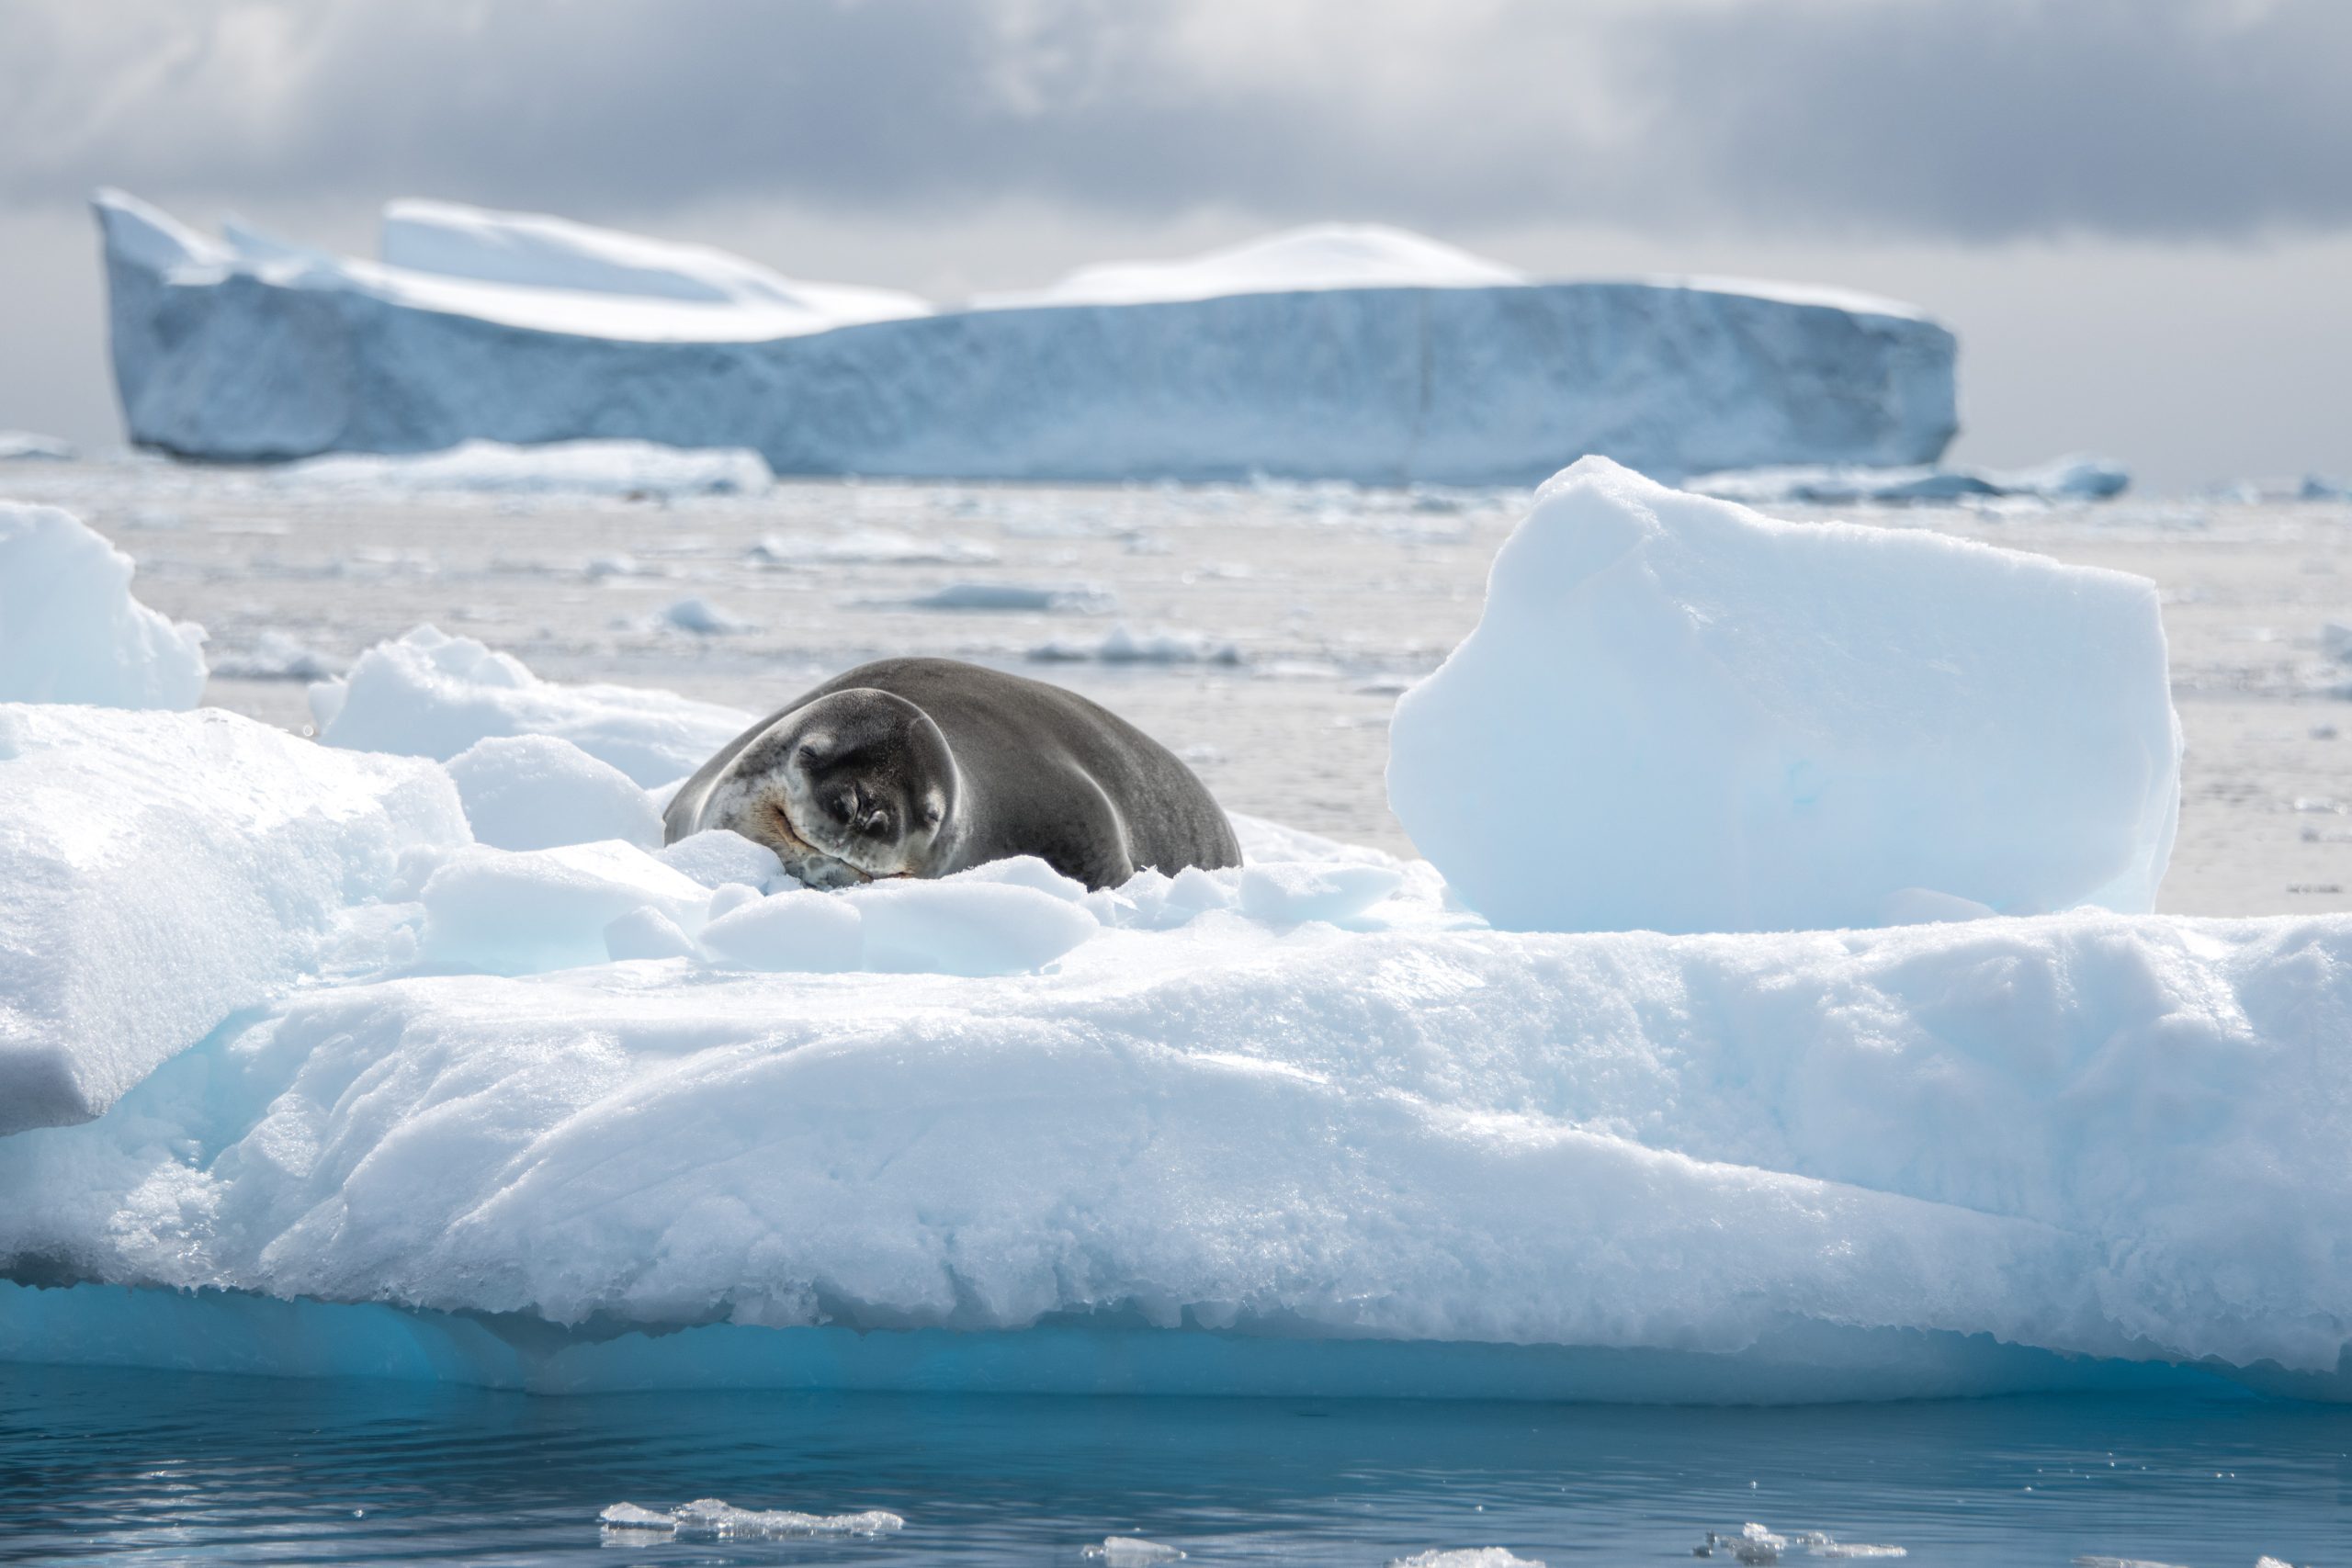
[1359, 354]
[1678, 714]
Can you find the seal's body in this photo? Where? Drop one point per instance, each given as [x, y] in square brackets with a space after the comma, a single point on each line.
[923, 767]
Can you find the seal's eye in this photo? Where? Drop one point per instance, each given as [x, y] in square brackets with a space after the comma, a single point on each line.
[810, 753]
[932, 814]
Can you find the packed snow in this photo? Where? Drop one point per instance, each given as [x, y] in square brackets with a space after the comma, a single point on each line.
[70, 629]
[1678, 714]
[164, 872]
[1321, 256]
[534, 792]
[2060, 479]
[1379, 356]
[560, 467]
[530, 250]
[430, 695]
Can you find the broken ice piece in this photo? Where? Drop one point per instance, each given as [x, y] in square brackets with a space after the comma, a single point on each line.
[1130, 1552]
[1466, 1557]
[630, 1517]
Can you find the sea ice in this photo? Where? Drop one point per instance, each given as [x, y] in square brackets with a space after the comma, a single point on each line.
[2062, 479]
[1012, 596]
[276, 656]
[716, 857]
[1379, 356]
[26, 444]
[1120, 645]
[711, 1518]
[429, 695]
[703, 618]
[1678, 715]
[70, 629]
[868, 547]
[555, 467]
[165, 871]
[535, 792]
[1467, 1557]
[1129, 1551]
[517, 913]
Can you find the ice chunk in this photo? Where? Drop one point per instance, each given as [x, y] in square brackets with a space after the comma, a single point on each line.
[715, 856]
[1467, 1557]
[1120, 645]
[966, 925]
[869, 546]
[2062, 479]
[27, 444]
[647, 933]
[630, 1517]
[535, 792]
[521, 913]
[703, 618]
[276, 656]
[164, 871]
[1362, 354]
[429, 695]
[802, 931]
[1284, 895]
[559, 467]
[1129, 1551]
[1012, 596]
[69, 630]
[710, 1517]
[1678, 715]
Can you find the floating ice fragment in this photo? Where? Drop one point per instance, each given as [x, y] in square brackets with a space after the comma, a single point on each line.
[1129, 1551]
[1466, 1557]
[2091, 1560]
[275, 656]
[991, 596]
[630, 1517]
[703, 618]
[26, 444]
[1120, 645]
[868, 547]
[711, 1517]
[557, 468]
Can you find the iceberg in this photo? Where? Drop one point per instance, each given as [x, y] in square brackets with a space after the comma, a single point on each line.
[164, 872]
[1678, 715]
[70, 629]
[1362, 354]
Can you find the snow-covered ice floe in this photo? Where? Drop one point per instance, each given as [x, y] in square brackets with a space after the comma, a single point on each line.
[30, 444]
[2062, 479]
[1360, 354]
[559, 467]
[70, 629]
[1678, 714]
[365, 1094]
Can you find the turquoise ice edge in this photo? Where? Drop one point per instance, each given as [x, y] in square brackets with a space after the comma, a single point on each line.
[1802, 1363]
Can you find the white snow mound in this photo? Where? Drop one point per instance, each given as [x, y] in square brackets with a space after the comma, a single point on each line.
[429, 695]
[1678, 715]
[1319, 257]
[536, 791]
[164, 871]
[69, 630]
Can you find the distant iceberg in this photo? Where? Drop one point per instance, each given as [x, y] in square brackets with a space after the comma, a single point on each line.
[1341, 352]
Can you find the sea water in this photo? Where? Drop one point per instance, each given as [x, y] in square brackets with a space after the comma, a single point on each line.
[134, 1467]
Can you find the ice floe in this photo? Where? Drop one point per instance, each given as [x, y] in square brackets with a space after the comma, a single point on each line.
[1678, 714]
[556, 467]
[1122, 645]
[709, 1518]
[2062, 479]
[70, 629]
[28, 444]
[868, 547]
[1129, 1551]
[276, 656]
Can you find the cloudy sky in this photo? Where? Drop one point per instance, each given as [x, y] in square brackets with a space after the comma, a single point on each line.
[2136, 213]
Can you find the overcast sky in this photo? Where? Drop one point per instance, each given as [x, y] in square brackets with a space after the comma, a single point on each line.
[2136, 213]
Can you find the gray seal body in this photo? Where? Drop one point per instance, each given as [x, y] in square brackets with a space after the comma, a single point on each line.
[923, 767]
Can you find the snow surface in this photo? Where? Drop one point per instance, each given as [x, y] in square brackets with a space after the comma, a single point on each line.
[1678, 715]
[1390, 360]
[166, 871]
[536, 251]
[430, 695]
[559, 467]
[69, 630]
[1320, 256]
[534, 792]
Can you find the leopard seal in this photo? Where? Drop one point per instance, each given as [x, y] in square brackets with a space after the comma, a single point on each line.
[924, 767]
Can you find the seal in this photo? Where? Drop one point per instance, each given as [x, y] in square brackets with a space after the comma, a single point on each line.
[923, 767]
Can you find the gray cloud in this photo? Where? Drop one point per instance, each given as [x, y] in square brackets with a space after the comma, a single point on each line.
[1977, 119]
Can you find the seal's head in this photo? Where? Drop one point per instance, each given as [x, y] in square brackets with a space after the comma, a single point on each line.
[854, 786]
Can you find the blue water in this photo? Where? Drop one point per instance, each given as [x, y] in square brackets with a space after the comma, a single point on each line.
[123, 1466]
